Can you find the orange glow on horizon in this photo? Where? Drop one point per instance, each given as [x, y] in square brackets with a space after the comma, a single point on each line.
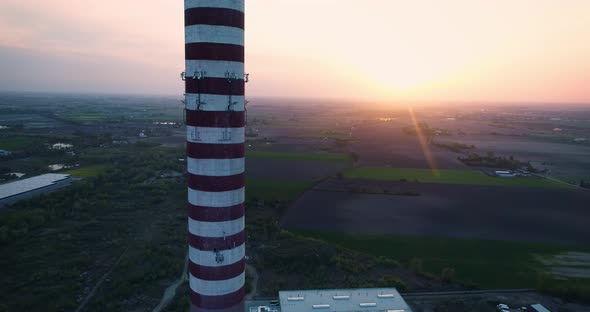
[382, 50]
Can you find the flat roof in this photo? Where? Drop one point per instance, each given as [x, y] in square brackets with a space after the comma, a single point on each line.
[26, 185]
[332, 300]
[539, 308]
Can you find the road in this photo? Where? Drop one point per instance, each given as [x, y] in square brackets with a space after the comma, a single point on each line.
[102, 279]
[254, 282]
[171, 290]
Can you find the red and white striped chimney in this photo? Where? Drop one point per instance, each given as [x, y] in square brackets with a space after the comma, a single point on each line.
[214, 52]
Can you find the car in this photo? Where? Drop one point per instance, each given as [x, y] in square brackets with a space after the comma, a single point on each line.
[502, 306]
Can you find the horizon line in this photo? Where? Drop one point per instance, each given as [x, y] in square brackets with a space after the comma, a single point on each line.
[291, 97]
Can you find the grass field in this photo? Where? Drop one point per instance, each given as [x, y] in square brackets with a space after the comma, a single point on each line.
[485, 264]
[268, 189]
[329, 157]
[470, 177]
[16, 142]
[85, 172]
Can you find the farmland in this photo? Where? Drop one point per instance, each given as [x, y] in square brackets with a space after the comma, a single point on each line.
[338, 194]
[447, 176]
[270, 189]
[443, 210]
[299, 156]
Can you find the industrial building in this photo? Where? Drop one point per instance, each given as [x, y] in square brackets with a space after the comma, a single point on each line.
[26, 188]
[215, 120]
[505, 174]
[339, 300]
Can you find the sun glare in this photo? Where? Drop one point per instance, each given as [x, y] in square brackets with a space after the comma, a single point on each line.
[424, 144]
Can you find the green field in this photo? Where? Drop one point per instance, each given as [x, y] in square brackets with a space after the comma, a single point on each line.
[275, 189]
[484, 264]
[85, 117]
[329, 157]
[85, 172]
[448, 176]
[16, 142]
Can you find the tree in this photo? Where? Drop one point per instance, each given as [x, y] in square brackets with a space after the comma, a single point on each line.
[447, 275]
[416, 265]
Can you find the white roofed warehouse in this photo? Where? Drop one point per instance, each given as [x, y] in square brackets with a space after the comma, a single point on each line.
[18, 190]
[340, 300]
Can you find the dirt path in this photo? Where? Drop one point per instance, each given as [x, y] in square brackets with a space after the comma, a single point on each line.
[253, 289]
[102, 279]
[171, 290]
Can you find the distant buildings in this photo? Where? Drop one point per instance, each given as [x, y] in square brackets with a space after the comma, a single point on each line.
[505, 174]
[56, 167]
[341, 300]
[61, 146]
[512, 174]
[22, 189]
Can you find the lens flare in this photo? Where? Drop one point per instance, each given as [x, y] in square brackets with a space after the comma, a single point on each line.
[424, 144]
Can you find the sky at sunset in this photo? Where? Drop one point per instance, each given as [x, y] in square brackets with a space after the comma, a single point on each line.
[502, 50]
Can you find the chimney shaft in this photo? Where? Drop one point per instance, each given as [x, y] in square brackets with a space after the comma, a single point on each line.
[214, 53]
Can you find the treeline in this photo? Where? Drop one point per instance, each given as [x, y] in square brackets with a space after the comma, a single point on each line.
[455, 147]
[493, 161]
[60, 244]
[423, 129]
[36, 147]
[307, 263]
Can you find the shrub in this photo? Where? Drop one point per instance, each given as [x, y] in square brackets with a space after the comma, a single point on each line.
[416, 265]
[447, 275]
